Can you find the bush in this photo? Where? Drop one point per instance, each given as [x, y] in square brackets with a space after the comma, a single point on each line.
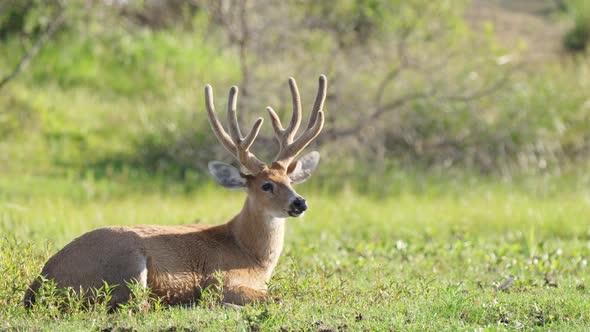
[27, 17]
[409, 84]
[578, 37]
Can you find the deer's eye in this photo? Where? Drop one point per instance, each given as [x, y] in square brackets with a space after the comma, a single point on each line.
[267, 187]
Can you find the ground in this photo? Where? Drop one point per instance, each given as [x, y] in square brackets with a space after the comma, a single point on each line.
[527, 26]
[476, 254]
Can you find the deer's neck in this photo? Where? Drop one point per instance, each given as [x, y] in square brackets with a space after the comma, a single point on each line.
[259, 234]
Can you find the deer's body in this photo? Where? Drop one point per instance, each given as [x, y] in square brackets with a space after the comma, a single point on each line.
[175, 262]
[178, 262]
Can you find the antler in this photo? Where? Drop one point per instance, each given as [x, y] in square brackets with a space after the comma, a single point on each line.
[233, 142]
[288, 147]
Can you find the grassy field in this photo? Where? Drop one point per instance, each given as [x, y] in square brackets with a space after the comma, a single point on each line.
[106, 126]
[474, 255]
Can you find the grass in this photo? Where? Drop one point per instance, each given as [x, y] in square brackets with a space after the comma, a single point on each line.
[81, 144]
[429, 260]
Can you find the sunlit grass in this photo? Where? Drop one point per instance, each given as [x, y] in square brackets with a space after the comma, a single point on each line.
[409, 261]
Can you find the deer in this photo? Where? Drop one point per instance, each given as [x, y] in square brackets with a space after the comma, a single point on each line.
[176, 263]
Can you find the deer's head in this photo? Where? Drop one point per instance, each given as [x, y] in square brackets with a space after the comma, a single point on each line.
[269, 187]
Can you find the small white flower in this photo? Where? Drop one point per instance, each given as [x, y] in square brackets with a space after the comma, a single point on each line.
[401, 245]
[504, 59]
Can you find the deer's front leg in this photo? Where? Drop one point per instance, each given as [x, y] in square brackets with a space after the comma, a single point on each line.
[243, 295]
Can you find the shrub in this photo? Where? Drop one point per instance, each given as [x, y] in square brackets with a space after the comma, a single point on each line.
[578, 37]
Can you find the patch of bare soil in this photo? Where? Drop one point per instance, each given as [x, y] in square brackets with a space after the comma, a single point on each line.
[540, 34]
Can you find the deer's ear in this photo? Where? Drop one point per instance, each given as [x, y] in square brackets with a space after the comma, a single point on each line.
[301, 170]
[226, 175]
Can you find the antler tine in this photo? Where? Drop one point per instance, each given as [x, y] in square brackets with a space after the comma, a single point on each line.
[247, 142]
[232, 117]
[296, 117]
[320, 98]
[289, 149]
[233, 142]
[218, 130]
[285, 136]
[292, 150]
[246, 158]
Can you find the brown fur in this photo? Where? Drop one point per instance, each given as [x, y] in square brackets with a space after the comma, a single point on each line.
[177, 262]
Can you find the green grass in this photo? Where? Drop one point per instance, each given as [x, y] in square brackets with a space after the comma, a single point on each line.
[402, 248]
[414, 260]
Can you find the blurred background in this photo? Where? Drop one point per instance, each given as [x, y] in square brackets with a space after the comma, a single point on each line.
[448, 89]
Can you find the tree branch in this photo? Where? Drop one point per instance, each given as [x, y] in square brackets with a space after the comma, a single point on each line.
[26, 59]
[486, 91]
[380, 110]
[376, 114]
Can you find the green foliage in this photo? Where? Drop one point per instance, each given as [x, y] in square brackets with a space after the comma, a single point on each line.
[28, 17]
[212, 296]
[111, 98]
[578, 37]
[355, 22]
[140, 301]
[113, 61]
[12, 17]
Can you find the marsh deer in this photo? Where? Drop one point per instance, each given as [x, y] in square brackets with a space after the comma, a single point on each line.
[177, 262]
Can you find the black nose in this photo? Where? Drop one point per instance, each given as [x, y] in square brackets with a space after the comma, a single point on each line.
[299, 204]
